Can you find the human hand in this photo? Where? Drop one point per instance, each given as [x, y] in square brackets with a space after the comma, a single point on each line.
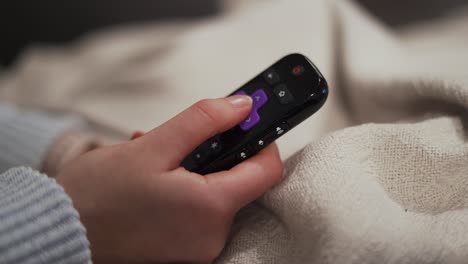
[139, 205]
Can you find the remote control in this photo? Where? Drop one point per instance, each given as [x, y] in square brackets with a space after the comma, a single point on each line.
[284, 95]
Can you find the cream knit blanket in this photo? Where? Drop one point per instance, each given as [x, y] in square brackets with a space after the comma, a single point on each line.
[381, 172]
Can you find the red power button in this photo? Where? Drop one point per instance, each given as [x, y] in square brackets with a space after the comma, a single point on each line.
[297, 70]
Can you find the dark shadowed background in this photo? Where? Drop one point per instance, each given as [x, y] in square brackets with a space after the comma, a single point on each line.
[57, 21]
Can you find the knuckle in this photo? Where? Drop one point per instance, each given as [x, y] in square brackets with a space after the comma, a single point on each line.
[276, 167]
[211, 250]
[215, 221]
[220, 213]
[205, 109]
[212, 244]
[279, 171]
[219, 210]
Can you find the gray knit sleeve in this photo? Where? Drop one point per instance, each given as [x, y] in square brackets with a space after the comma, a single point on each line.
[25, 137]
[38, 223]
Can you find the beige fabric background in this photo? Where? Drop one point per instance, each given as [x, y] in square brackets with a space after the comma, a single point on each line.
[383, 175]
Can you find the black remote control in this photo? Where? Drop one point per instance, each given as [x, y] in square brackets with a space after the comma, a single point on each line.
[283, 96]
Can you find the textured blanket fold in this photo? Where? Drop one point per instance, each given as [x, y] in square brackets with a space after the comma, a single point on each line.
[379, 175]
[376, 193]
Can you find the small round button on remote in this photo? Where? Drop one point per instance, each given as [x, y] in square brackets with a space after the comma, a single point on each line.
[214, 146]
[243, 154]
[271, 76]
[283, 94]
[297, 70]
[200, 157]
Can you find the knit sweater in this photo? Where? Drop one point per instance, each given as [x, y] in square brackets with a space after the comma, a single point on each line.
[38, 223]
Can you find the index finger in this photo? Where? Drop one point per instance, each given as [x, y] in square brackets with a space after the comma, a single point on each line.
[250, 179]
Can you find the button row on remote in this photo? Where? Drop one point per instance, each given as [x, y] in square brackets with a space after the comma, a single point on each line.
[207, 150]
[271, 136]
[247, 151]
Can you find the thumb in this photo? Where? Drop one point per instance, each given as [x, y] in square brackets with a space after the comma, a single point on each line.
[176, 138]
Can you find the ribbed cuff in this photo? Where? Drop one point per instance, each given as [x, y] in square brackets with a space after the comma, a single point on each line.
[38, 223]
[25, 138]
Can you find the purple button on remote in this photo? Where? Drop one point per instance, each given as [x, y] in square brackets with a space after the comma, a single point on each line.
[259, 98]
